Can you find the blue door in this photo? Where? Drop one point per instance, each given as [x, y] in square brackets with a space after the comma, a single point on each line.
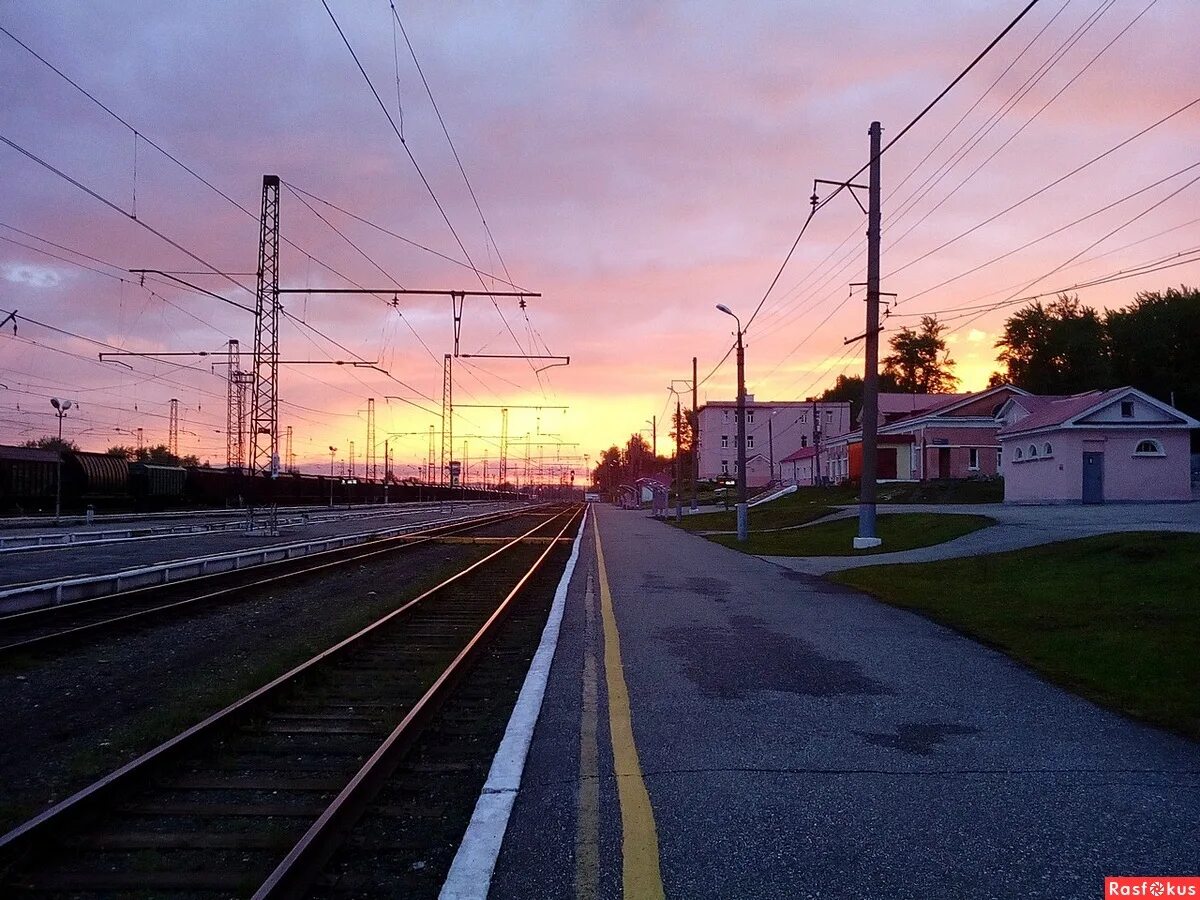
[1093, 477]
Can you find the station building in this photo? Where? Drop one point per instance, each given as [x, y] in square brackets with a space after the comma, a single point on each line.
[774, 432]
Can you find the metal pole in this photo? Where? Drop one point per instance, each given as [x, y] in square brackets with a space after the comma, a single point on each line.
[678, 462]
[867, 494]
[816, 430]
[743, 527]
[771, 443]
[58, 471]
[695, 442]
[654, 437]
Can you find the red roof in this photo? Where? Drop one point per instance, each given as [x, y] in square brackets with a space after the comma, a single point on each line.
[802, 453]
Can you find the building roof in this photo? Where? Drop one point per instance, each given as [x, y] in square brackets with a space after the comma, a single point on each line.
[1058, 411]
[802, 453]
[894, 404]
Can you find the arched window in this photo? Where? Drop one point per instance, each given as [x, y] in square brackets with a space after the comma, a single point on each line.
[1148, 447]
[1017, 455]
[1048, 450]
[1032, 451]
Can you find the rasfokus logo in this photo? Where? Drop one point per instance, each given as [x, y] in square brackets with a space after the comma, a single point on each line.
[1151, 886]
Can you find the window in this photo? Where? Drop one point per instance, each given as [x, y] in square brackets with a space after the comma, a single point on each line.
[973, 462]
[724, 467]
[1017, 454]
[749, 442]
[803, 420]
[1148, 448]
[999, 459]
[750, 416]
[1126, 409]
[828, 416]
[804, 440]
[724, 440]
[1033, 451]
[1048, 449]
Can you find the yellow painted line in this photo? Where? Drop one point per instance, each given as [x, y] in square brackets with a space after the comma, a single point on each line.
[587, 832]
[640, 872]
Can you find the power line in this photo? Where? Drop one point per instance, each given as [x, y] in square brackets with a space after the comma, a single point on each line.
[903, 131]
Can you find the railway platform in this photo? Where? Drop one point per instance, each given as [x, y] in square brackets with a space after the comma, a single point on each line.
[714, 725]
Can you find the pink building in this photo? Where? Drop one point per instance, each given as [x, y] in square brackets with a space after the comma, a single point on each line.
[928, 436]
[774, 431]
[1103, 446]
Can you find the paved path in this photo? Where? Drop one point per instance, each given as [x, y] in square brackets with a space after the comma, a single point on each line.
[798, 739]
[1016, 527]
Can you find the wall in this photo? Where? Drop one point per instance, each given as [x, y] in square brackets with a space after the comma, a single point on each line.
[1126, 478]
[791, 423]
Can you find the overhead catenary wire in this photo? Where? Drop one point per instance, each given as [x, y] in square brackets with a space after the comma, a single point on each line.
[421, 174]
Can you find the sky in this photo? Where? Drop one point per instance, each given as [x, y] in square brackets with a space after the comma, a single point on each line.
[634, 163]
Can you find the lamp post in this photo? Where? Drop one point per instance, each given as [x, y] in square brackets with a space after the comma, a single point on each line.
[60, 410]
[743, 526]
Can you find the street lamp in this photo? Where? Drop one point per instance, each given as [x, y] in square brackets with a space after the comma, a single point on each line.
[60, 410]
[743, 526]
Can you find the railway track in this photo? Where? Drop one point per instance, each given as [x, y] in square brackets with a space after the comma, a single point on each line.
[41, 629]
[253, 800]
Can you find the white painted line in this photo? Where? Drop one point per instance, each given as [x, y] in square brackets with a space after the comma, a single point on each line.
[470, 875]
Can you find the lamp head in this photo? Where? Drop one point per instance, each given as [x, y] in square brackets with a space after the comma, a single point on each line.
[54, 402]
[725, 309]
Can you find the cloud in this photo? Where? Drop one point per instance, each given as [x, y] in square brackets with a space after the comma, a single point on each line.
[32, 275]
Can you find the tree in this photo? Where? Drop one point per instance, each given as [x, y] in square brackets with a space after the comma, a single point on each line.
[1152, 345]
[119, 450]
[851, 389]
[50, 442]
[1058, 348]
[919, 363]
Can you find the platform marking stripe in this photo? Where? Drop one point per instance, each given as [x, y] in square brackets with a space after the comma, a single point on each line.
[470, 875]
[587, 829]
[640, 872]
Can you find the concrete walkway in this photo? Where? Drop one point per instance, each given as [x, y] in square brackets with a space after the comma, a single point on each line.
[1016, 527]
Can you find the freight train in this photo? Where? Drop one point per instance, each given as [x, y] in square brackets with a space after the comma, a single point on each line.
[29, 477]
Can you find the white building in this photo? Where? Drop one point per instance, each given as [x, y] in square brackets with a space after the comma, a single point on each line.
[774, 431]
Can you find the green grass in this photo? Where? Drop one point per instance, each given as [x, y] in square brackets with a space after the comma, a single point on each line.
[802, 506]
[1115, 618]
[900, 531]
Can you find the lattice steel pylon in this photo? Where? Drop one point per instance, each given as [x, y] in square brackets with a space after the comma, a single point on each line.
[289, 458]
[447, 417]
[370, 469]
[173, 429]
[503, 446]
[432, 459]
[235, 408]
[264, 420]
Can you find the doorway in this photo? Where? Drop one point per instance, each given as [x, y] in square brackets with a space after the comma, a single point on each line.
[1093, 477]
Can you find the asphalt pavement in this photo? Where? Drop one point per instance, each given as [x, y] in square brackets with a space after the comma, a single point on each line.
[800, 739]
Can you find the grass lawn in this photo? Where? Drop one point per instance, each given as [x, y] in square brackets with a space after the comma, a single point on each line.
[797, 508]
[1115, 618]
[900, 531]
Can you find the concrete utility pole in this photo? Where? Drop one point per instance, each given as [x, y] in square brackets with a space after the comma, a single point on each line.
[867, 494]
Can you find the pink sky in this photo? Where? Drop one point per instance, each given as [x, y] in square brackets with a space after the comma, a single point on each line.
[637, 164]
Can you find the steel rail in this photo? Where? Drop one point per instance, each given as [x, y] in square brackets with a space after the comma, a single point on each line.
[20, 843]
[343, 556]
[305, 860]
